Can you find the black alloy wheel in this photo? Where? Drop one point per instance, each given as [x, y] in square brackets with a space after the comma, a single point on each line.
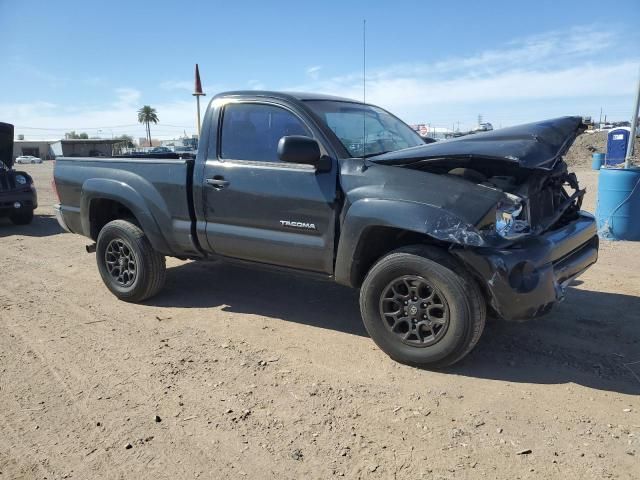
[415, 310]
[421, 307]
[121, 262]
[127, 262]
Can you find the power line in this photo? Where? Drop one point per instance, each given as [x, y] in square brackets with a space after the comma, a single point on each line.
[132, 125]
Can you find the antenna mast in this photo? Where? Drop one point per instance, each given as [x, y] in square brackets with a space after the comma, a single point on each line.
[364, 85]
[364, 61]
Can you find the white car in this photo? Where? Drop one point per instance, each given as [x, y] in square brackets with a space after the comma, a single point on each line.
[28, 159]
[483, 127]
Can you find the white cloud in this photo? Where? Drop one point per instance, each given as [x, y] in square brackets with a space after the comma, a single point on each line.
[181, 87]
[46, 120]
[256, 85]
[127, 96]
[314, 72]
[552, 67]
[539, 76]
[177, 85]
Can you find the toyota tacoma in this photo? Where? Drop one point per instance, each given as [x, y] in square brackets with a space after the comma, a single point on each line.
[434, 236]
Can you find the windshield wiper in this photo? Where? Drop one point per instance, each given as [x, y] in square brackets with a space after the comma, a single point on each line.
[375, 154]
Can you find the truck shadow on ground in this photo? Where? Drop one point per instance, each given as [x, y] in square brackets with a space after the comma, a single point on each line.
[592, 339]
[586, 340]
[277, 295]
[42, 226]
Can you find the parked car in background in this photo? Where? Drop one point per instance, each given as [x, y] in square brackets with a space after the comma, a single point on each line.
[179, 149]
[28, 159]
[432, 235]
[18, 197]
[483, 127]
[160, 150]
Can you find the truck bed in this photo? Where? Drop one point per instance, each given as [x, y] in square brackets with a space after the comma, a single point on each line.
[156, 191]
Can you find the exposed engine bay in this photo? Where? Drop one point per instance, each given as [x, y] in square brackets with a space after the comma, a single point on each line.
[535, 200]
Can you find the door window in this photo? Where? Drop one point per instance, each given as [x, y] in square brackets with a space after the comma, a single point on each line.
[251, 131]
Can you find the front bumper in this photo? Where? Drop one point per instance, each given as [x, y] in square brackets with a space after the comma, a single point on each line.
[525, 280]
[25, 197]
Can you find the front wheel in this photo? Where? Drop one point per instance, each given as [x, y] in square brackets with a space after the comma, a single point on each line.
[421, 309]
[128, 264]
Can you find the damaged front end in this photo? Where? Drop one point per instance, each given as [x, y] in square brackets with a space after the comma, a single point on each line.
[531, 202]
[534, 203]
[534, 240]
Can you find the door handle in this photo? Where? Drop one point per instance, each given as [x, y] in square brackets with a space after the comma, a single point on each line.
[218, 182]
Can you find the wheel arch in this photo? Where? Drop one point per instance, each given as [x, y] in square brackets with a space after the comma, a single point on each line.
[377, 241]
[105, 200]
[373, 228]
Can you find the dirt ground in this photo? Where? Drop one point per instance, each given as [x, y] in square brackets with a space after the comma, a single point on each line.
[579, 156]
[234, 373]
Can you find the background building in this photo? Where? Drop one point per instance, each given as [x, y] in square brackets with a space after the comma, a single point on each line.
[92, 147]
[37, 148]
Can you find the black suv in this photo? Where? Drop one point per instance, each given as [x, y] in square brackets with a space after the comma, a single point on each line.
[18, 197]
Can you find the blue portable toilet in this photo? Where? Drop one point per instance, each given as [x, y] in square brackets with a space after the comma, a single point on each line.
[617, 141]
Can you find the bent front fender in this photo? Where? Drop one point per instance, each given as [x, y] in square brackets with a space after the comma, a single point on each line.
[429, 220]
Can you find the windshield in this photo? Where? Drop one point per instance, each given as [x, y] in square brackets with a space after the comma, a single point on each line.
[351, 122]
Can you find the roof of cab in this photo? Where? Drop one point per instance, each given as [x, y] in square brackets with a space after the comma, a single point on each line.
[299, 96]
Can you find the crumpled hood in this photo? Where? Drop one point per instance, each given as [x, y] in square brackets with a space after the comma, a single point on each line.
[6, 144]
[532, 145]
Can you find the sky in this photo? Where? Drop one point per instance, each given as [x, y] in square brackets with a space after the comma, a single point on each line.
[88, 66]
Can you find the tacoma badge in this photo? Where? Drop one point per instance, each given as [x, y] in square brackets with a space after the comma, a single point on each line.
[307, 226]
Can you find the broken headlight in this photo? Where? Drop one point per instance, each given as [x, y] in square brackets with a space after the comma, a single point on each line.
[21, 179]
[510, 219]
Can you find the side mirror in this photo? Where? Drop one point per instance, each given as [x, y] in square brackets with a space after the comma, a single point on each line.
[299, 149]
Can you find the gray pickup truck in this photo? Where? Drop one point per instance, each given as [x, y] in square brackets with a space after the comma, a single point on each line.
[434, 236]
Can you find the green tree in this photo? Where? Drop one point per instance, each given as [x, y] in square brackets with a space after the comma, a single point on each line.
[127, 140]
[124, 141]
[148, 115]
[72, 135]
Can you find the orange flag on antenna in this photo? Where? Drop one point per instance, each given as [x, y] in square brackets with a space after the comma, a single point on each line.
[198, 86]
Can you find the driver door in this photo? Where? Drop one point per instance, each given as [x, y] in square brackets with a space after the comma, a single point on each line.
[259, 208]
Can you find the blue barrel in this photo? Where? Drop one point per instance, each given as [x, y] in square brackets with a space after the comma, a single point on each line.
[597, 159]
[618, 209]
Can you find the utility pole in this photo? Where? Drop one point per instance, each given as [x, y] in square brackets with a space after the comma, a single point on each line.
[634, 126]
[198, 93]
[600, 120]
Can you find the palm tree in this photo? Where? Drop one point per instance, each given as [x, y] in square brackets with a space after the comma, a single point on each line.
[148, 115]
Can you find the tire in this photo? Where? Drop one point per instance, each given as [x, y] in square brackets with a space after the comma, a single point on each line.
[22, 217]
[439, 335]
[141, 272]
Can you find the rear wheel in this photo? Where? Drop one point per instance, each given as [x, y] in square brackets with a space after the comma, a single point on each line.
[421, 308]
[23, 217]
[128, 264]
